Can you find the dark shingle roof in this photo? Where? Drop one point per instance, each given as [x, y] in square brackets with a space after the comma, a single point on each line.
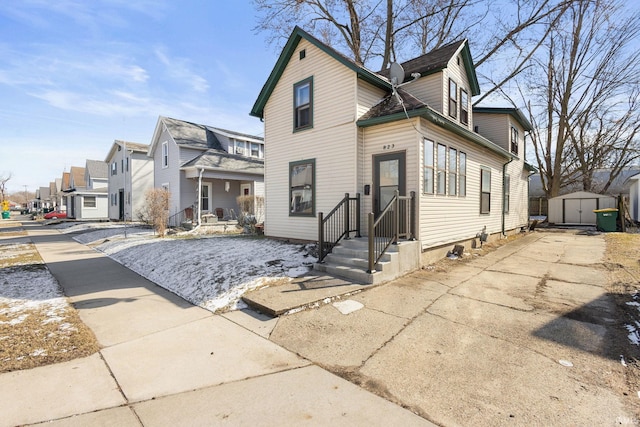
[390, 104]
[430, 62]
[200, 136]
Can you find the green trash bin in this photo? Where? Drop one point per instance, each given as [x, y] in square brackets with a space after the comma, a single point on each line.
[6, 214]
[606, 219]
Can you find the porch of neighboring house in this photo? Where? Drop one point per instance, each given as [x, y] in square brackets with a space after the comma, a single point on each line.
[214, 204]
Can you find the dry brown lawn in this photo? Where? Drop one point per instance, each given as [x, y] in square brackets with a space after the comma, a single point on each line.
[38, 326]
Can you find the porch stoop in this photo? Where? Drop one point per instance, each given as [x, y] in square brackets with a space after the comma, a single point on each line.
[349, 260]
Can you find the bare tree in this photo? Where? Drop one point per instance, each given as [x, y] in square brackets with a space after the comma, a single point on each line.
[377, 30]
[585, 114]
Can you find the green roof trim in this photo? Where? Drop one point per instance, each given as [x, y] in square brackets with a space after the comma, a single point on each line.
[288, 51]
[470, 69]
[440, 120]
[513, 112]
[529, 167]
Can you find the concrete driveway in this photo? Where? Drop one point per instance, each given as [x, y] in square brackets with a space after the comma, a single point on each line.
[526, 335]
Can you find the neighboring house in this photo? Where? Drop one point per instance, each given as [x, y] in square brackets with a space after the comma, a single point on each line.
[219, 165]
[43, 199]
[333, 127]
[130, 176]
[87, 194]
[634, 197]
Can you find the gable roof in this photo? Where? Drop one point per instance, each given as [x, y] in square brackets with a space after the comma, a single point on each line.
[194, 135]
[97, 169]
[76, 176]
[438, 59]
[66, 176]
[131, 146]
[288, 50]
[513, 112]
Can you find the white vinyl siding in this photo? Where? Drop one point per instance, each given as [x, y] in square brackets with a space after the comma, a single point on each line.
[429, 90]
[331, 141]
[443, 220]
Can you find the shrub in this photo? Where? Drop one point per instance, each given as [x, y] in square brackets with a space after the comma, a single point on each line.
[156, 210]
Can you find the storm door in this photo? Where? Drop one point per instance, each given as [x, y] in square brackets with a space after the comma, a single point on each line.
[389, 176]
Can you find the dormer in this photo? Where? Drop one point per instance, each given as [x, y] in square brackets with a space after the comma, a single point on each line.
[447, 81]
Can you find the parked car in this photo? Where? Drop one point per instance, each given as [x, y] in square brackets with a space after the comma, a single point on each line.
[55, 215]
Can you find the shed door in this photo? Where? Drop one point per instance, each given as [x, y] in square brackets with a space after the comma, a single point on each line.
[579, 211]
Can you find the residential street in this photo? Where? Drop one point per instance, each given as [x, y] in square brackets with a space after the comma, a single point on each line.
[525, 335]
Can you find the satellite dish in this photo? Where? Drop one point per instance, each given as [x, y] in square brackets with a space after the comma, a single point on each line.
[397, 74]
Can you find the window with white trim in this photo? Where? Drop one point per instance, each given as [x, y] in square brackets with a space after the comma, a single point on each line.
[302, 187]
[165, 154]
[89, 202]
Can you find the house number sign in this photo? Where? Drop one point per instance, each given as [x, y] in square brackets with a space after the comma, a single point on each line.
[388, 146]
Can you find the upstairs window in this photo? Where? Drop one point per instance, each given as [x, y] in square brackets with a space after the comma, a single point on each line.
[165, 154]
[114, 168]
[514, 140]
[464, 107]
[303, 104]
[453, 99]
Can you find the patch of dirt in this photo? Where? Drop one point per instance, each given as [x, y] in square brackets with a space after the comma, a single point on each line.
[37, 327]
[622, 262]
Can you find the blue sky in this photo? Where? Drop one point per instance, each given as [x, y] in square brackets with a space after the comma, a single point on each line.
[75, 75]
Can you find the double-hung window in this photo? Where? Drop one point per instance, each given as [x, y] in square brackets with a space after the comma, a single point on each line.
[464, 107]
[441, 177]
[462, 177]
[302, 187]
[428, 166]
[485, 191]
[114, 168]
[453, 99]
[453, 171]
[507, 193]
[89, 202]
[165, 154]
[303, 104]
[514, 140]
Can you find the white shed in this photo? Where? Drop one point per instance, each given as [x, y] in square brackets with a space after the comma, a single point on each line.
[578, 207]
[634, 197]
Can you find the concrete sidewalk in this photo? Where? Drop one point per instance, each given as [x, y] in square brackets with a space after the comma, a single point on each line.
[165, 362]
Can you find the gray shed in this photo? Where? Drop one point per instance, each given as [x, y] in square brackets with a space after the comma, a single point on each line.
[578, 207]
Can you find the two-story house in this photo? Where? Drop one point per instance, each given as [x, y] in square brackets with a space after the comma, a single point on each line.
[334, 127]
[130, 175]
[205, 168]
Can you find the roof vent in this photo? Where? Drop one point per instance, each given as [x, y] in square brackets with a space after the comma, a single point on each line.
[303, 54]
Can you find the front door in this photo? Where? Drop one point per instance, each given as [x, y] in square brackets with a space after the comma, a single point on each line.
[389, 176]
[121, 205]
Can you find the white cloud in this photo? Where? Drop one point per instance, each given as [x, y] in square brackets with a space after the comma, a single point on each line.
[179, 69]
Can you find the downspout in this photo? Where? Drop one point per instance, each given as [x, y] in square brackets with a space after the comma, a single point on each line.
[504, 170]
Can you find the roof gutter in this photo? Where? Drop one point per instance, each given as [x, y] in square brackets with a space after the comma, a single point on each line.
[504, 185]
